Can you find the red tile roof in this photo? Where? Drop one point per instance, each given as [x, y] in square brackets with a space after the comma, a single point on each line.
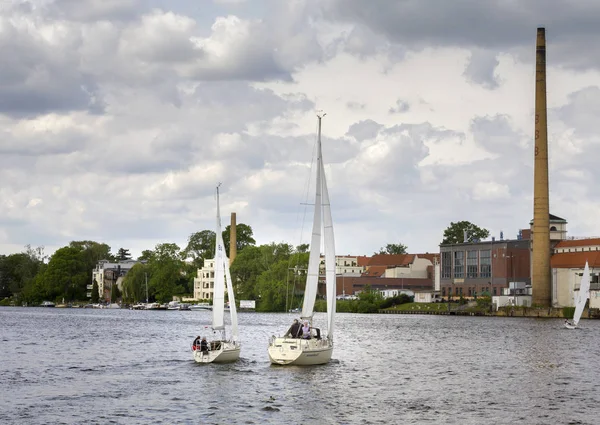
[391, 260]
[375, 271]
[362, 260]
[567, 260]
[429, 256]
[570, 243]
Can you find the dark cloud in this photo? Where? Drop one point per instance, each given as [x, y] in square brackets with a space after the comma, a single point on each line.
[95, 10]
[41, 77]
[401, 106]
[581, 112]
[481, 69]
[496, 135]
[356, 106]
[495, 25]
[364, 130]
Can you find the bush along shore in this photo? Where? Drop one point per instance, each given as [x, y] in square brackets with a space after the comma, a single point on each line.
[483, 307]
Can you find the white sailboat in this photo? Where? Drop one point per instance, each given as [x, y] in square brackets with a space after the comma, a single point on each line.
[581, 298]
[221, 349]
[287, 350]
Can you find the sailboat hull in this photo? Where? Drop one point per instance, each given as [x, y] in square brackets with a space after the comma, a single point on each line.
[570, 326]
[300, 352]
[227, 353]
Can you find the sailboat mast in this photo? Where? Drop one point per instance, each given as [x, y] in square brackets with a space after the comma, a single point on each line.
[314, 259]
[146, 277]
[219, 279]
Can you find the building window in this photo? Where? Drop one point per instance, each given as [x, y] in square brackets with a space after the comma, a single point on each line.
[471, 264]
[446, 265]
[459, 264]
[485, 265]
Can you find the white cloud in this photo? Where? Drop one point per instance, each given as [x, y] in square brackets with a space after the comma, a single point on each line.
[118, 120]
[490, 191]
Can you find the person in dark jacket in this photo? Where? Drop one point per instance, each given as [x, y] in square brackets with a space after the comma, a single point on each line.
[204, 345]
[295, 330]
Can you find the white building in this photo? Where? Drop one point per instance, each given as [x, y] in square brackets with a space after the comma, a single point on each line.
[390, 293]
[568, 262]
[418, 268]
[204, 282]
[346, 265]
[106, 274]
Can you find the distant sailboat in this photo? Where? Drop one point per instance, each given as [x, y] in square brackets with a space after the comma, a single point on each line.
[287, 349]
[581, 298]
[221, 349]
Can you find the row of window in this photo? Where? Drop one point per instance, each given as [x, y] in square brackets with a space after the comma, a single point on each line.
[477, 264]
[458, 291]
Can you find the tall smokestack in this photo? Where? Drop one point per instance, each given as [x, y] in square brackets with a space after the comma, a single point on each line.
[232, 239]
[541, 284]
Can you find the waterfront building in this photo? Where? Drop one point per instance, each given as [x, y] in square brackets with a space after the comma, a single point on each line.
[204, 281]
[107, 274]
[483, 267]
[391, 274]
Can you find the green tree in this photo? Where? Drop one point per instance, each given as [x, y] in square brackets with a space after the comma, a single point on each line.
[166, 269]
[243, 237]
[302, 248]
[392, 248]
[369, 300]
[92, 252]
[134, 283]
[251, 263]
[4, 280]
[123, 254]
[115, 294]
[272, 287]
[201, 245]
[66, 275]
[455, 233]
[95, 294]
[147, 254]
[17, 270]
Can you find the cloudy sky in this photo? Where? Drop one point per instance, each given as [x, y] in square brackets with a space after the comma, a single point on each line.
[119, 117]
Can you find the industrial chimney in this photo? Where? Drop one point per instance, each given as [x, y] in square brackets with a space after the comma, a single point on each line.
[540, 279]
[232, 239]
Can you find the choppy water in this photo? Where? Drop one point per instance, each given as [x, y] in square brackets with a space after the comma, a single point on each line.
[135, 367]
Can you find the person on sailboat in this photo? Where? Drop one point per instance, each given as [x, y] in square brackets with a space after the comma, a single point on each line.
[295, 329]
[196, 343]
[204, 345]
[305, 331]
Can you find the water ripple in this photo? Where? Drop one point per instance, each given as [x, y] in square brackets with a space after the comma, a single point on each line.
[135, 367]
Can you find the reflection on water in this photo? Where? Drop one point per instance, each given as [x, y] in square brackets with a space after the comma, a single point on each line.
[136, 367]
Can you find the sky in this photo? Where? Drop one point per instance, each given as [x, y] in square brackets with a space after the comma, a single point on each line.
[118, 118]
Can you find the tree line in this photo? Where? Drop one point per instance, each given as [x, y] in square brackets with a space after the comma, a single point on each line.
[272, 274]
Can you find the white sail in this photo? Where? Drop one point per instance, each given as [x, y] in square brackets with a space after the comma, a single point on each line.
[219, 283]
[329, 253]
[312, 278]
[314, 348]
[232, 307]
[583, 295]
[221, 349]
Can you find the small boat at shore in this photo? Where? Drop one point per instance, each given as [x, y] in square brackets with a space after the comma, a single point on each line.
[47, 304]
[201, 306]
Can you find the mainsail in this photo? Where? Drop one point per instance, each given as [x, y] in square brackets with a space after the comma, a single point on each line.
[314, 259]
[583, 295]
[219, 282]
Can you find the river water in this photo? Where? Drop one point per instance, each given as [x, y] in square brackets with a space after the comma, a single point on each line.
[75, 366]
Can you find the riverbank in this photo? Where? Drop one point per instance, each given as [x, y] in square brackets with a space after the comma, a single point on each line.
[474, 309]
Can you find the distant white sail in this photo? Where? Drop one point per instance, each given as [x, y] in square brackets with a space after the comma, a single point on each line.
[583, 295]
